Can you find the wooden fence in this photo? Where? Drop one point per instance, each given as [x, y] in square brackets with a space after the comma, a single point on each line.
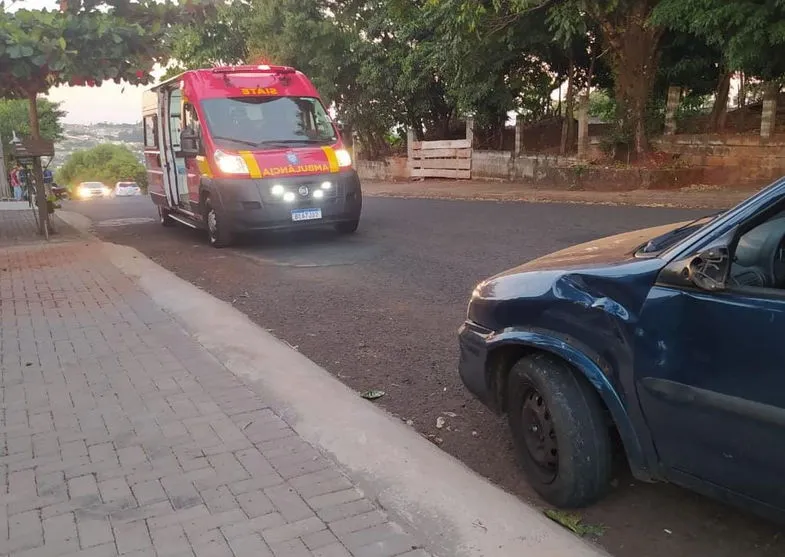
[441, 159]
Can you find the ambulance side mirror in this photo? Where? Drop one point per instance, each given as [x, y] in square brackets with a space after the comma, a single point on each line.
[189, 143]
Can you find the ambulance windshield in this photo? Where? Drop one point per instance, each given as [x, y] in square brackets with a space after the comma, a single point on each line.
[268, 122]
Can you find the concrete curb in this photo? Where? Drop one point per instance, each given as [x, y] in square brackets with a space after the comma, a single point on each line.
[447, 507]
[77, 221]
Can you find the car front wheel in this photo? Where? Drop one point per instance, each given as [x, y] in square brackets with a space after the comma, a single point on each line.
[347, 227]
[559, 431]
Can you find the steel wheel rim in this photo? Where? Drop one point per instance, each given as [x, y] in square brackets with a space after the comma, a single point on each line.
[212, 224]
[539, 434]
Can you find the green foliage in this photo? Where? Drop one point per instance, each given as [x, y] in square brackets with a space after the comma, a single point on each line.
[14, 116]
[85, 43]
[424, 64]
[602, 105]
[106, 163]
[750, 33]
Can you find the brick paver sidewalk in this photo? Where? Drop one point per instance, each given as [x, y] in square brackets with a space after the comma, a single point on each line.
[18, 226]
[120, 435]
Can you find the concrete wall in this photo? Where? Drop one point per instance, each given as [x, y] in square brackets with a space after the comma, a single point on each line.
[739, 160]
[387, 170]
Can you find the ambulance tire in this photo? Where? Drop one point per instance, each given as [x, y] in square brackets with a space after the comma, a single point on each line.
[348, 227]
[218, 235]
[164, 218]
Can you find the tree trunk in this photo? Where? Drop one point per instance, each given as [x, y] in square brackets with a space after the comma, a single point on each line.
[634, 56]
[38, 172]
[719, 113]
[568, 124]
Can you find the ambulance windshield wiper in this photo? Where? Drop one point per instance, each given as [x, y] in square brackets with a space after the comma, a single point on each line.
[234, 140]
[273, 142]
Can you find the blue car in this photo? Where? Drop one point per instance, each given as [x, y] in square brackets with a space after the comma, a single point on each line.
[667, 344]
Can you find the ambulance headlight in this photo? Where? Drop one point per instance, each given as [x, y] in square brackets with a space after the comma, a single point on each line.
[230, 164]
[277, 190]
[343, 157]
[327, 185]
[318, 194]
[288, 197]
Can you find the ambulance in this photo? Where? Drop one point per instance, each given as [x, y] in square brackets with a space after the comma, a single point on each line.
[245, 148]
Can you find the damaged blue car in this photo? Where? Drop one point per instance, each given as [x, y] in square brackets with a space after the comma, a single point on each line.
[667, 343]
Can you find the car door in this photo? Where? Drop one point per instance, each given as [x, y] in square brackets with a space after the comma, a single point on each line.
[710, 376]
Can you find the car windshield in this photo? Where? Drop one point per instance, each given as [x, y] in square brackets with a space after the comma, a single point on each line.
[268, 122]
[668, 239]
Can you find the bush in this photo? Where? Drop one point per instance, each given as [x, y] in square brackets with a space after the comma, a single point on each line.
[106, 163]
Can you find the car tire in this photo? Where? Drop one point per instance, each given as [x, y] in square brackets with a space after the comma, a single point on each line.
[559, 431]
[164, 217]
[347, 227]
[217, 233]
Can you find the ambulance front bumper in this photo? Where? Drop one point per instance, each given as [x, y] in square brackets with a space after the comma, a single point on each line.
[289, 203]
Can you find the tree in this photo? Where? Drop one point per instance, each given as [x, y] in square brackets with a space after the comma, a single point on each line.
[749, 33]
[372, 60]
[86, 43]
[631, 42]
[106, 163]
[14, 117]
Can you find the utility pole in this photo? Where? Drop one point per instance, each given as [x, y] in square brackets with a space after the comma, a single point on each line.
[5, 188]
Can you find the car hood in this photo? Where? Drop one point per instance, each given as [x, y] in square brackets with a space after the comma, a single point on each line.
[610, 250]
[603, 271]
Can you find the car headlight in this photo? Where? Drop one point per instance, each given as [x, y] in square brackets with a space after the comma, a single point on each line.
[83, 191]
[343, 157]
[230, 164]
[106, 191]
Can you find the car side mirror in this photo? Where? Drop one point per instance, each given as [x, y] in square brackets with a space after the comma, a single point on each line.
[707, 269]
[189, 143]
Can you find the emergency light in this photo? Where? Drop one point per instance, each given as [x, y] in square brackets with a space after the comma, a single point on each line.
[263, 68]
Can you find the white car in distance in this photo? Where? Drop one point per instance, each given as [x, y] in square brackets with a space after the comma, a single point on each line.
[124, 189]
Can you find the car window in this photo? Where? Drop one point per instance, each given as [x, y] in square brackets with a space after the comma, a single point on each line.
[758, 259]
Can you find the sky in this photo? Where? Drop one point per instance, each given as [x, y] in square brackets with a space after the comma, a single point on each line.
[87, 105]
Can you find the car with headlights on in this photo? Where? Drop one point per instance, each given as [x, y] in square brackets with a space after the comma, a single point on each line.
[89, 190]
[664, 343]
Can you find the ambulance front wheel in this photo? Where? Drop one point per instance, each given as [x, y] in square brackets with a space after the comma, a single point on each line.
[217, 231]
[164, 218]
[348, 227]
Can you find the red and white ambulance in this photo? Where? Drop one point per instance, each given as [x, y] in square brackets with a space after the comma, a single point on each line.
[244, 148]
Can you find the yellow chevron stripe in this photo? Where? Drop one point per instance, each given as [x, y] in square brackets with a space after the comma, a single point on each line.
[331, 158]
[204, 167]
[253, 166]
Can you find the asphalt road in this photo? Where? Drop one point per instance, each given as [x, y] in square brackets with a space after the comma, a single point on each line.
[380, 310]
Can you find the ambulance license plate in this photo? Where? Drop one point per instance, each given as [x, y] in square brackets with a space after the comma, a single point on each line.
[306, 214]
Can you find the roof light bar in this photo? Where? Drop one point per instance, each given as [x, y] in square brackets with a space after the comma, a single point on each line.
[263, 68]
